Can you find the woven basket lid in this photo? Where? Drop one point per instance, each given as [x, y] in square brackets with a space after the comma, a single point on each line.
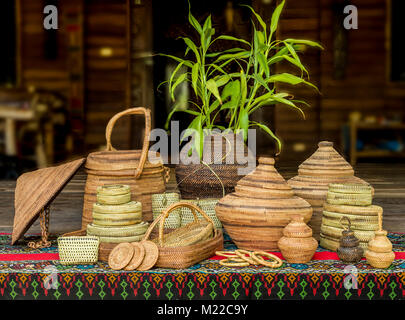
[325, 161]
[264, 182]
[35, 190]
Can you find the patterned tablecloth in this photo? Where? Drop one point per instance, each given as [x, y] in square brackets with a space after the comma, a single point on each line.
[37, 274]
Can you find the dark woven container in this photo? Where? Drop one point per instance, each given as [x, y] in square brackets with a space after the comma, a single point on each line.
[202, 181]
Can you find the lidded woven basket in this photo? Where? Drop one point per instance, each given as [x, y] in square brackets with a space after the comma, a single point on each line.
[261, 206]
[143, 172]
[323, 167]
[297, 244]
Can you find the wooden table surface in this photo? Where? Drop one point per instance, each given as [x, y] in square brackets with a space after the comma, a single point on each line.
[387, 179]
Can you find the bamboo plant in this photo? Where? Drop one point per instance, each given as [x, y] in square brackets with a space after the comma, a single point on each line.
[241, 93]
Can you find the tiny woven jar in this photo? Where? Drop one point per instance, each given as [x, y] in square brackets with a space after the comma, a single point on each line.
[379, 253]
[162, 201]
[297, 244]
[349, 249]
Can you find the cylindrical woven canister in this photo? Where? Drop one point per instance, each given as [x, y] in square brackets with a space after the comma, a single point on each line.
[123, 231]
[207, 205]
[162, 201]
[130, 207]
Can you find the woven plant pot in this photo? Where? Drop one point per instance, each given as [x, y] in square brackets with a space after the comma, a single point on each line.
[145, 175]
[200, 181]
[297, 244]
[189, 244]
[315, 174]
[162, 201]
[262, 205]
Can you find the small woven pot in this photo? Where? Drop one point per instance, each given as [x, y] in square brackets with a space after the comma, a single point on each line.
[162, 201]
[349, 249]
[379, 253]
[78, 250]
[297, 244]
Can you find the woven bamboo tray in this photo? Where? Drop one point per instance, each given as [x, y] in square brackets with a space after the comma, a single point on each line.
[186, 245]
[144, 173]
[351, 199]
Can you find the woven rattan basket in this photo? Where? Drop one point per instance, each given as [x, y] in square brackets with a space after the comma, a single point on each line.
[78, 250]
[162, 201]
[143, 172]
[186, 245]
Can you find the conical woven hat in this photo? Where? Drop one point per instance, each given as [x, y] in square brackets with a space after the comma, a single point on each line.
[325, 161]
[35, 190]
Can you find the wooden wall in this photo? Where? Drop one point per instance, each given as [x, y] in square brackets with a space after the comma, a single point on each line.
[35, 69]
[364, 88]
[106, 68]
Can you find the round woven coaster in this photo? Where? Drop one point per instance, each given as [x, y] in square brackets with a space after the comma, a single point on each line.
[113, 189]
[120, 256]
[130, 207]
[151, 255]
[137, 258]
[118, 199]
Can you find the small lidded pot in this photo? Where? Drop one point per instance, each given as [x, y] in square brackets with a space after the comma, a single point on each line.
[297, 244]
[379, 252]
[349, 249]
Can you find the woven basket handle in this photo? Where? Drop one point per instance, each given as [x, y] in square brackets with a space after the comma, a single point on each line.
[145, 146]
[163, 216]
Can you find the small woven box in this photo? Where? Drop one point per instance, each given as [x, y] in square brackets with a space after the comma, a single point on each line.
[207, 205]
[78, 250]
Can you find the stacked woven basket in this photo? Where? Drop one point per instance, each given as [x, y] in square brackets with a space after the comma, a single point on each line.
[116, 219]
[353, 201]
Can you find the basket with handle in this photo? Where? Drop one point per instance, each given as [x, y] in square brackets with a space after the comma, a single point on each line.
[188, 244]
[143, 172]
[78, 250]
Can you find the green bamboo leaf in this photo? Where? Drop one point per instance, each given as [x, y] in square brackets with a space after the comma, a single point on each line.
[296, 63]
[244, 122]
[258, 17]
[187, 63]
[263, 64]
[193, 21]
[232, 91]
[287, 102]
[230, 56]
[306, 42]
[225, 37]
[215, 54]
[171, 79]
[213, 88]
[243, 87]
[269, 132]
[193, 47]
[274, 18]
[295, 57]
[194, 76]
[290, 79]
[179, 80]
[222, 80]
